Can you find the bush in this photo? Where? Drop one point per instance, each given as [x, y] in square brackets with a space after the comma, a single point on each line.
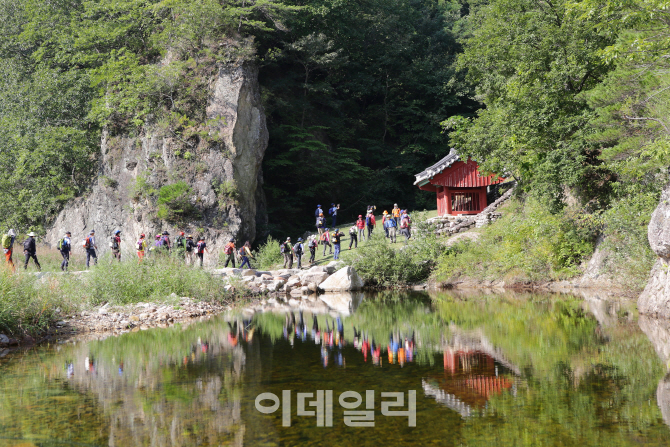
[528, 243]
[174, 204]
[268, 255]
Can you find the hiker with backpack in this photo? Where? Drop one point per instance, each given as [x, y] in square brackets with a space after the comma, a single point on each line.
[318, 212]
[141, 248]
[385, 217]
[115, 245]
[353, 236]
[312, 249]
[333, 212]
[320, 223]
[30, 251]
[396, 214]
[298, 250]
[406, 225]
[165, 242]
[390, 227]
[180, 245]
[65, 247]
[370, 223]
[189, 247]
[360, 224]
[325, 241]
[200, 249]
[8, 247]
[229, 250]
[337, 238]
[90, 247]
[286, 249]
[245, 254]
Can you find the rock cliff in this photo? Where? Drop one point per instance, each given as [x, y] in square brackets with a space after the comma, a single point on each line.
[655, 299]
[224, 178]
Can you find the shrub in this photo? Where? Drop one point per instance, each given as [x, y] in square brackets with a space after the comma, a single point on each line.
[174, 204]
[268, 256]
[528, 243]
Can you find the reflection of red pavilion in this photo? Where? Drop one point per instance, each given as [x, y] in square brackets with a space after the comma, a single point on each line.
[470, 378]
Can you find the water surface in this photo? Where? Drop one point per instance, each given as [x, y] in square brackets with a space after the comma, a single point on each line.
[486, 370]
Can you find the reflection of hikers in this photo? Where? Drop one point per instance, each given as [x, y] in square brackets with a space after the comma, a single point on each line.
[390, 227]
[115, 245]
[8, 247]
[353, 236]
[396, 214]
[90, 247]
[325, 241]
[360, 224]
[286, 250]
[299, 249]
[245, 254]
[200, 249]
[189, 246]
[229, 250]
[30, 251]
[65, 246]
[333, 212]
[320, 223]
[312, 249]
[337, 238]
[370, 223]
[141, 246]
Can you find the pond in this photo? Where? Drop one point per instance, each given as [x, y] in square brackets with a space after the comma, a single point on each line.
[475, 369]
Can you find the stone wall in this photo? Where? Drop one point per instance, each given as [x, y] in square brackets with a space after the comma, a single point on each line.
[235, 114]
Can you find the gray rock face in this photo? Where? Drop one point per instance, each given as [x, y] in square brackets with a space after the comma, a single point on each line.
[655, 299]
[158, 157]
[344, 280]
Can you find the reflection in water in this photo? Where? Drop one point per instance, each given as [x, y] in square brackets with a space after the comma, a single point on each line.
[488, 370]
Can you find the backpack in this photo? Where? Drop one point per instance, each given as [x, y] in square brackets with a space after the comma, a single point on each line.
[353, 230]
[298, 249]
[26, 245]
[87, 243]
[113, 243]
[140, 245]
[62, 245]
[282, 248]
[242, 251]
[368, 220]
[180, 241]
[228, 249]
[201, 247]
[312, 244]
[190, 245]
[6, 241]
[164, 241]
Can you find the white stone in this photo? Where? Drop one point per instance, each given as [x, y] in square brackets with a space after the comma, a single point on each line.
[344, 280]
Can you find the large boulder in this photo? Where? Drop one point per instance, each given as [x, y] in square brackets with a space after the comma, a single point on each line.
[655, 299]
[315, 278]
[344, 280]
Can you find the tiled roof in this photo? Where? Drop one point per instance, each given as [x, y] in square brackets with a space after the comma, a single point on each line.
[437, 167]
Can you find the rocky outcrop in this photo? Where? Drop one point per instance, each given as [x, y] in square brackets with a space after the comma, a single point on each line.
[223, 173]
[344, 280]
[655, 299]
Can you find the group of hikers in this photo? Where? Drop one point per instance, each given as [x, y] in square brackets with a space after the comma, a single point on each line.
[183, 247]
[398, 221]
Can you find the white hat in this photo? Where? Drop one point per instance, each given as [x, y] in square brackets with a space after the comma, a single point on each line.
[31, 234]
[11, 232]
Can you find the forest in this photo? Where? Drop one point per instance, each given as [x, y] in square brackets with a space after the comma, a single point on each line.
[569, 98]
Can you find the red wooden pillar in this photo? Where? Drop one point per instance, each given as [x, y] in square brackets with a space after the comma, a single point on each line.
[482, 198]
[447, 198]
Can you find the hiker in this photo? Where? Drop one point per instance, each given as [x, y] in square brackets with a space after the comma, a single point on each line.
[391, 228]
[353, 236]
[115, 245]
[371, 209]
[333, 212]
[396, 214]
[30, 251]
[65, 247]
[158, 244]
[286, 250]
[200, 249]
[337, 238]
[298, 250]
[90, 247]
[8, 247]
[325, 241]
[165, 241]
[360, 224]
[320, 223]
[141, 248]
[406, 225]
[180, 245]
[312, 249]
[189, 247]
[318, 212]
[245, 254]
[385, 217]
[229, 250]
[370, 223]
